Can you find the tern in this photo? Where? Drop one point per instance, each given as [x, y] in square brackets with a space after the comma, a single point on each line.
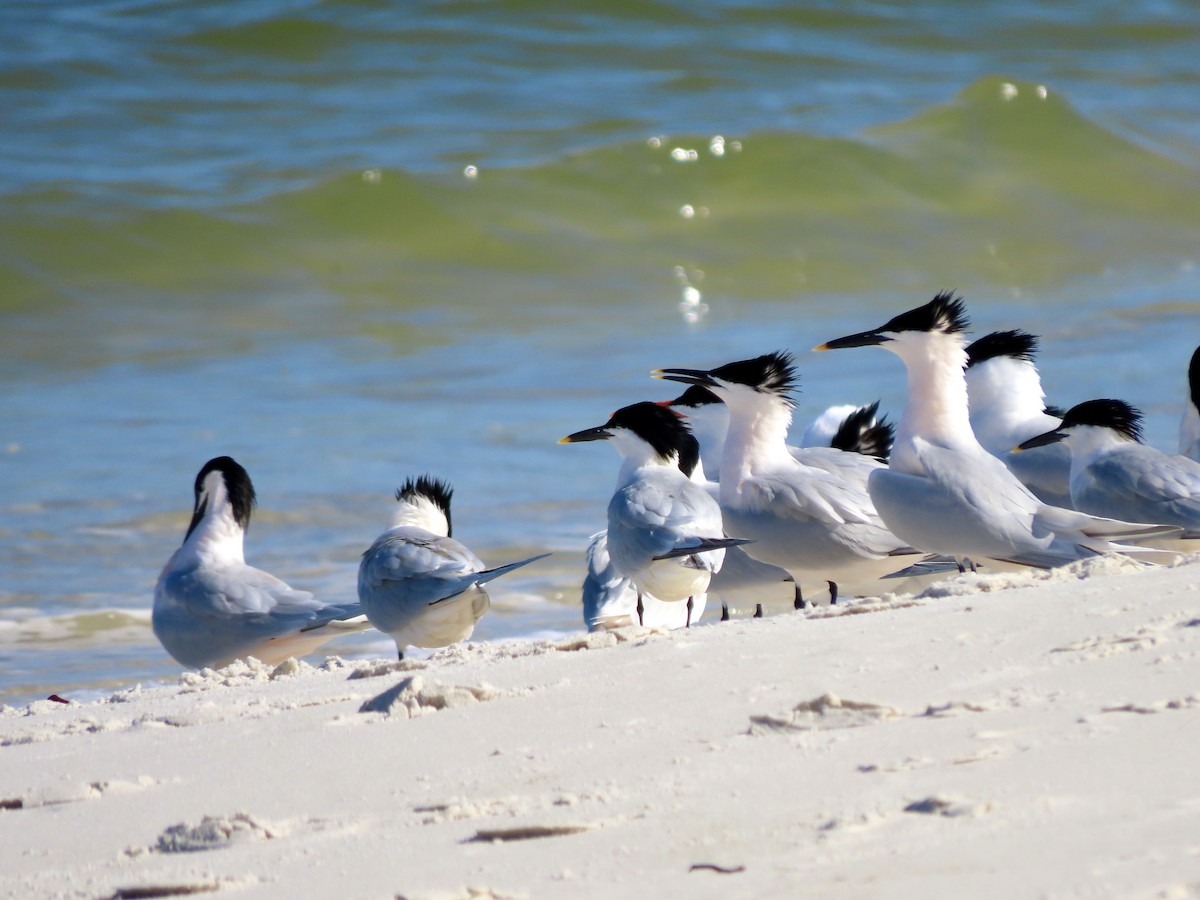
[418, 584]
[211, 608]
[942, 491]
[664, 531]
[1008, 406]
[1189, 426]
[806, 509]
[1114, 474]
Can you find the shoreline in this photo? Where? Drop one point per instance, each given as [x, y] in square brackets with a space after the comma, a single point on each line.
[1005, 734]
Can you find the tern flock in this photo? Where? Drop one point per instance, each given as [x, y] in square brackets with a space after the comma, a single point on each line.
[710, 497]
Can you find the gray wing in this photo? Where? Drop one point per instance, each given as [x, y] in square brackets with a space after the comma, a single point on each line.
[655, 517]
[814, 494]
[206, 617]
[409, 568]
[1141, 485]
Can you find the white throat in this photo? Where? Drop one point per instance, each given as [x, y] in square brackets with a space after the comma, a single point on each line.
[935, 409]
[217, 538]
[757, 437]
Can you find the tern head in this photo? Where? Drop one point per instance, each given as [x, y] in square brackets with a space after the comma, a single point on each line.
[772, 375]
[694, 398]
[646, 429]
[945, 314]
[222, 483]
[428, 499]
[1117, 416]
[1017, 344]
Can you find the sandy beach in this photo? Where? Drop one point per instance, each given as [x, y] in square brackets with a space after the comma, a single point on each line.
[1001, 735]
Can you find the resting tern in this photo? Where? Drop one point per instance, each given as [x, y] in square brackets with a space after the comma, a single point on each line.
[806, 509]
[1114, 474]
[1008, 406]
[210, 608]
[417, 583]
[1189, 426]
[942, 491]
[664, 531]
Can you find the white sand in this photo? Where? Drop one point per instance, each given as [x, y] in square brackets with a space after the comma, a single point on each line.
[1039, 740]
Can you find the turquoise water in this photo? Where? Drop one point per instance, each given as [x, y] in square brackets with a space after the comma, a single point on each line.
[347, 244]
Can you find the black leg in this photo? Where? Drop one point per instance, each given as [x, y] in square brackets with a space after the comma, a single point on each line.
[758, 610]
[799, 602]
[688, 624]
[832, 592]
[640, 608]
[724, 612]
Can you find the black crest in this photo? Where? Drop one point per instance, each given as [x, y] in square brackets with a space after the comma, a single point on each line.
[237, 485]
[861, 433]
[432, 489]
[1115, 414]
[945, 313]
[659, 426]
[771, 373]
[695, 397]
[1194, 378]
[1016, 344]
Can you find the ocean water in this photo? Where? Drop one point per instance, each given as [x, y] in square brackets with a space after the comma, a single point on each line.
[347, 242]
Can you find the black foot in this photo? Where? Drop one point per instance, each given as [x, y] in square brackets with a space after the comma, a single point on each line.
[641, 609]
[688, 623]
[799, 602]
[724, 612]
[758, 610]
[832, 592]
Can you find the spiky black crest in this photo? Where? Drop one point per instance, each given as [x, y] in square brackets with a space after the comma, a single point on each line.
[237, 485]
[434, 490]
[945, 314]
[1016, 344]
[695, 397]
[659, 426]
[1194, 378]
[861, 433]
[771, 373]
[1115, 414]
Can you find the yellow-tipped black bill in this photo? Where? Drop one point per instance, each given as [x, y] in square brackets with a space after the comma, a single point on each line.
[862, 339]
[599, 433]
[685, 376]
[1042, 440]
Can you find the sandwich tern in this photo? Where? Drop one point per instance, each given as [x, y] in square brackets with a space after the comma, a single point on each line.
[210, 608]
[664, 531]
[416, 583]
[942, 491]
[1008, 406]
[1114, 474]
[806, 509]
